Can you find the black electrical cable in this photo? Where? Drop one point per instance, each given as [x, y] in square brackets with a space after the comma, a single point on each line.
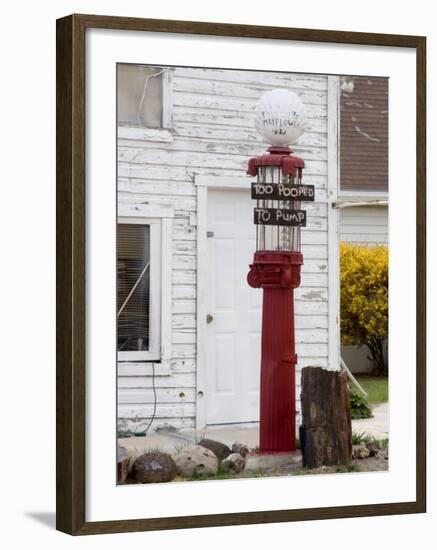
[154, 398]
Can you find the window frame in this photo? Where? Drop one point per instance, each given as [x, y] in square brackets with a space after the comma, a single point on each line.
[163, 132]
[153, 353]
[160, 220]
[167, 100]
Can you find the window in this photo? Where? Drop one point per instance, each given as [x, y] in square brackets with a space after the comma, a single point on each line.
[140, 95]
[138, 290]
[364, 134]
[133, 296]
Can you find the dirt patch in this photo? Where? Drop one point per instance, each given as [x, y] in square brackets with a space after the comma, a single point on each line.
[373, 464]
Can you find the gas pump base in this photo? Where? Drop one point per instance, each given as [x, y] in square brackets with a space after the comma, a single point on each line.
[261, 461]
[278, 274]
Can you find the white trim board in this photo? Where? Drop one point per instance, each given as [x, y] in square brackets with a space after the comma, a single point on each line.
[223, 182]
[201, 375]
[333, 224]
[362, 195]
[167, 100]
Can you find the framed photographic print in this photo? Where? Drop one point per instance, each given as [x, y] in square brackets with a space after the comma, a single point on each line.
[240, 274]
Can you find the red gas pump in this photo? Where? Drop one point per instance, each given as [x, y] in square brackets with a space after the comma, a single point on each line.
[279, 192]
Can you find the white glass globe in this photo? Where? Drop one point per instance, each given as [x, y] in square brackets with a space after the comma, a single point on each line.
[280, 117]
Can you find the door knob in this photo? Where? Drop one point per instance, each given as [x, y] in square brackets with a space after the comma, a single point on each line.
[209, 318]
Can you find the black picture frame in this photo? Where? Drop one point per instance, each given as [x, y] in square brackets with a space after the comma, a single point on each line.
[71, 247]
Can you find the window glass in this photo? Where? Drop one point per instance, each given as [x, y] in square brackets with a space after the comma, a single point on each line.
[139, 96]
[133, 287]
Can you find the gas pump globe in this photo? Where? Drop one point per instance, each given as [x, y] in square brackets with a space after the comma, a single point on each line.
[279, 217]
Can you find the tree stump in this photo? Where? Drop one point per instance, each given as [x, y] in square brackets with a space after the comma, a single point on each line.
[326, 431]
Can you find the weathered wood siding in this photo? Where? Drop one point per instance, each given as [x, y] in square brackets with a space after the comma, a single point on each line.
[213, 134]
[364, 225]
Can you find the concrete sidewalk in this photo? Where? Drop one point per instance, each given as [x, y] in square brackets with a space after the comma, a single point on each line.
[170, 441]
[376, 426]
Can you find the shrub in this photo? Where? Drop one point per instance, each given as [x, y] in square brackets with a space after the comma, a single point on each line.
[360, 406]
[358, 438]
[364, 300]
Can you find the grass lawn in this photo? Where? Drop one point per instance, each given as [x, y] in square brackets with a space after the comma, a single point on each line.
[375, 386]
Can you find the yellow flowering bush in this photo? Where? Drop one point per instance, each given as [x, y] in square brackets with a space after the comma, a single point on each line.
[364, 299]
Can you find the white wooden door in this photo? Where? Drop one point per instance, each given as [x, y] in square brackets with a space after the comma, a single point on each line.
[234, 310]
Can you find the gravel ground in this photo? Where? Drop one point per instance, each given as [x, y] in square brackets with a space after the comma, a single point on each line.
[374, 464]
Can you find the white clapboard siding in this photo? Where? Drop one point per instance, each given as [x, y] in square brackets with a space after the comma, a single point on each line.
[130, 189]
[183, 321]
[133, 151]
[179, 380]
[181, 263]
[237, 136]
[184, 351]
[213, 134]
[244, 106]
[310, 309]
[364, 225]
[184, 306]
[145, 411]
[212, 121]
[236, 90]
[211, 165]
[138, 424]
[263, 80]
[143, 370]
[183, 365]
[167, 396]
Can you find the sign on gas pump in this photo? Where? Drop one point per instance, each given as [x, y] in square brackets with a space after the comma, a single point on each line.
[280, 216]
[282, 192]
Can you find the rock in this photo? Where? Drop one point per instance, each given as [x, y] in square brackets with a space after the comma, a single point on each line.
[234, 462]
[373, 449]
[220, 450]
[240, 448]
[154, 468]
[121, 453]
[122, 464]
[132, 454]
[360, 451]
[196, 460]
